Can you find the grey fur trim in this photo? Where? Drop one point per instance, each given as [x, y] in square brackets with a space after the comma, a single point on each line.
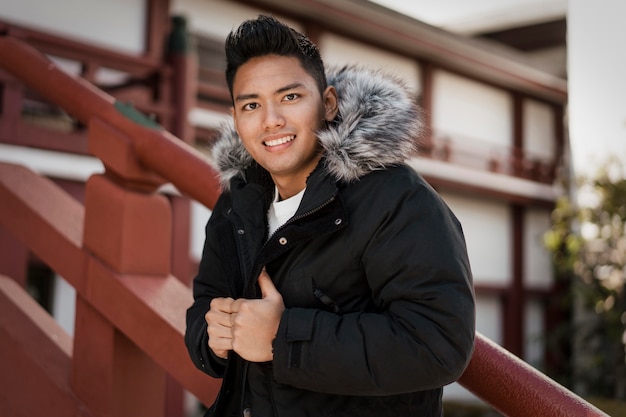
[228, 155]
[378, 125]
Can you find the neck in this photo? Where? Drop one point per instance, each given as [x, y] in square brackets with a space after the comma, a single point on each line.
[288, 189]
[291, 184]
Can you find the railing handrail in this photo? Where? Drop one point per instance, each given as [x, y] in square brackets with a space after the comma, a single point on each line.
[515, 388]
[63, 47]
[186, 168]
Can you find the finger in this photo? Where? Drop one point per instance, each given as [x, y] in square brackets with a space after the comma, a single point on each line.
[268, 289]
[216, 317]
[221, 304]
[220, 346]
[219, 331]
[235, 306]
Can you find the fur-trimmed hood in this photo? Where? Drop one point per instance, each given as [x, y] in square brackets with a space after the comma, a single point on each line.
[378, 125]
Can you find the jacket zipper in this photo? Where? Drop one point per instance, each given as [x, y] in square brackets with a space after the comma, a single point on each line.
[293, 219]
[301, 216]
[270, 382]
[239, 242]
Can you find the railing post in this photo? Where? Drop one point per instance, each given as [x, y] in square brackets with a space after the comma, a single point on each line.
[184, 87]
[128, 229]
[183, 84]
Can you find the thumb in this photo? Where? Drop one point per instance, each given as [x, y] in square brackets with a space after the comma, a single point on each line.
[267, 286]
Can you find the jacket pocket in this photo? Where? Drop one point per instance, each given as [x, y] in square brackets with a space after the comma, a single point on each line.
[328, 302]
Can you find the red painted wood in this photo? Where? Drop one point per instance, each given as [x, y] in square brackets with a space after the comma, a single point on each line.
[112, 375]
[131, 232]
[35, 360]
[148, 309]
[11, 96]
[183, 88]
[34, 136]
[46, 219]
[186, 167]
[138, 66]
[426, 103]
[92, 367]
[157, 22]
[13, 257]
[151, 312]
[182, 266]
[140, 245]
[518, 390]
[514, 305]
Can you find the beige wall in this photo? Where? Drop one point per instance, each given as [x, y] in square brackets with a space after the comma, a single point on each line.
[337, 50]
[464, 108]
[116, 24]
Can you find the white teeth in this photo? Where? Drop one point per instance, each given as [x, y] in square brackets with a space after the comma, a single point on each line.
[280, 141]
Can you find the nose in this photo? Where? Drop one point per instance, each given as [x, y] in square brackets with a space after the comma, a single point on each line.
[273, 117]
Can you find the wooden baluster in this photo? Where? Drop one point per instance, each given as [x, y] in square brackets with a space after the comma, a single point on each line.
[128, 230]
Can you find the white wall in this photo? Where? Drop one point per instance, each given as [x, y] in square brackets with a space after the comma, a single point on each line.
[538, 270]
[597, 86]
[539, 129]
[51, 163]
[64, 304]
[472, 110]
[216, 18]
[488, 323]
[337, 50]
[199, 217]
[115, 24]
[487, 228]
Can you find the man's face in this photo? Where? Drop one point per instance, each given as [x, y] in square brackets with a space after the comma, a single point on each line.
[277, 112]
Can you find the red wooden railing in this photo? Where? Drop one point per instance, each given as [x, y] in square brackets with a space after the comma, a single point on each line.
[115, 252]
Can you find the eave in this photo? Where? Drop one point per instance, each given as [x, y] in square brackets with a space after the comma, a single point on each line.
[379, 26]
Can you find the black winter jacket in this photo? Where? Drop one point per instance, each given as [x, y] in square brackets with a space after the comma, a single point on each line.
[372, 269]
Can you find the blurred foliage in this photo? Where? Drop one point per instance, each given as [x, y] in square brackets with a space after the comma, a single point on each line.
[614, 408]
[588, 246]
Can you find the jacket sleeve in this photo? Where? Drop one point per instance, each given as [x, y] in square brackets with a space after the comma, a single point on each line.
[210, 282]
[421, 336]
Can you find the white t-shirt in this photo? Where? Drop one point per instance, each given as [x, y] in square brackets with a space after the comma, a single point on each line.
[282, 210]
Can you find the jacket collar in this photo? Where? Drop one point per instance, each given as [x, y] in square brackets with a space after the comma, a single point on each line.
[378, 125]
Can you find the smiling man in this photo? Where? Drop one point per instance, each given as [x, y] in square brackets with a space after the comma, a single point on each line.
[278, 110]
[334, 281]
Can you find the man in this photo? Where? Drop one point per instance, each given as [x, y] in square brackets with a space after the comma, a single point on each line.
[334, 281]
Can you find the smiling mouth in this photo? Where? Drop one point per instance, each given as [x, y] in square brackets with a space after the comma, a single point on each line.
[279, 141]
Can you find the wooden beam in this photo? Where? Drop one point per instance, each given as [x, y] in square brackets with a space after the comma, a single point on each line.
[35, 360]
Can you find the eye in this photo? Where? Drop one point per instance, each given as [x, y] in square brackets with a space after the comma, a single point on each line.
[291, 97]
[250, 106]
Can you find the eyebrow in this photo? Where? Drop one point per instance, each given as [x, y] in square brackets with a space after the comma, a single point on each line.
[288, 87]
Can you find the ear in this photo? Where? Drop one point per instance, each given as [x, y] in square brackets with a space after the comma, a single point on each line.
[330, 103]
